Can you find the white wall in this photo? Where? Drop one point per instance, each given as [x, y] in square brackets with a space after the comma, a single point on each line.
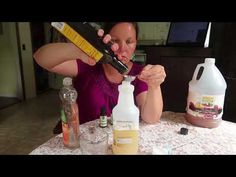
[27, 59]
[10, 78]
[153, 33]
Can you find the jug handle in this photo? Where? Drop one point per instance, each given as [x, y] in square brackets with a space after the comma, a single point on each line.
[196, 71]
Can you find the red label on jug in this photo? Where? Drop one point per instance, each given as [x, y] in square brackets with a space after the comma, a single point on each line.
[205, 106]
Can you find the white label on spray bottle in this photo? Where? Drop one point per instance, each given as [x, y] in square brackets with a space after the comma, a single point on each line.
[125, 137]
[205, 106]
[125, 125]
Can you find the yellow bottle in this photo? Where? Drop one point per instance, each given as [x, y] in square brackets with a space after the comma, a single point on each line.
[125, 121]
[84, 36]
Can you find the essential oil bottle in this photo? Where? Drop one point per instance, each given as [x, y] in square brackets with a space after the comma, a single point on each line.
[103, 118]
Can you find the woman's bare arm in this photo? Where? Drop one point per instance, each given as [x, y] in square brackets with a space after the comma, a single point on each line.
[61, 58]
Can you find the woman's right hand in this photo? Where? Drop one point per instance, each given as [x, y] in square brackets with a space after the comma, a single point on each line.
[106, 39]
[83, 56]
[60, 57]
[90, 61]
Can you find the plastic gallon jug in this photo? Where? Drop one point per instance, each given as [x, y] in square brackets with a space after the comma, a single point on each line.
[206, 96]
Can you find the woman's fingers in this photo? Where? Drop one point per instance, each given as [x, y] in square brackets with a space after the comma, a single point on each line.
[152, 71]
[107, 39]
[153, 74]
[86, 59]
[115, 47]
[91, 61]
[100, 32]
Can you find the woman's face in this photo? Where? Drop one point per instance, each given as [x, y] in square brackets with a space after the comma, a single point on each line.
[124, 35]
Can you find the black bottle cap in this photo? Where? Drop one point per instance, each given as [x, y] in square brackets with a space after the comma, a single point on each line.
[183, 131]
[103, 111]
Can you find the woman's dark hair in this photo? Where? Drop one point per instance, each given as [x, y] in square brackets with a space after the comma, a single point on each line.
[108, 26]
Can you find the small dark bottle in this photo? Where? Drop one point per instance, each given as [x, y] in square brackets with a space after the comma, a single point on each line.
[85, 37]
[103, 118]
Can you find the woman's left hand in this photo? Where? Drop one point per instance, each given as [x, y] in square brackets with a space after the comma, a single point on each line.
[153, 75]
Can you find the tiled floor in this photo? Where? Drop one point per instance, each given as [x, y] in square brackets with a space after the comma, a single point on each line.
[6, 101]
[26, 125]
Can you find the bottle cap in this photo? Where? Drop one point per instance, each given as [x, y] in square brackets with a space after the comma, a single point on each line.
[183, 131]
[210, 60]
[103, 111]
[67, 81]
[129, 78]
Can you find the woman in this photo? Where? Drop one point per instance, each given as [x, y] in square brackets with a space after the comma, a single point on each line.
[97, 84]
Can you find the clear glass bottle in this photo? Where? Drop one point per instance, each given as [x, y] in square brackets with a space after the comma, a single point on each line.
[125, 121]
[85, 37]
[69, 114]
